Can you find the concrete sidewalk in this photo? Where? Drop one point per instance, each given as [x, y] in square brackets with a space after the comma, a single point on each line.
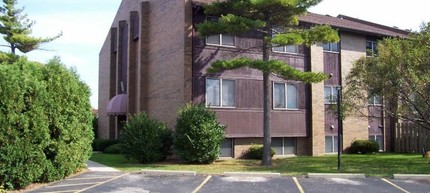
[96, 167]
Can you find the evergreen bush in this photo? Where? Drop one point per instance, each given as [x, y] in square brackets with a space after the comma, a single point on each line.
[145, 140]
[256, 152]
[198, 134]
[113, 149]
[45, 123]
[364, 146]
[102, 144]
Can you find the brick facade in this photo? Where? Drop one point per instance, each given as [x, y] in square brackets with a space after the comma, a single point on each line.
[166, 65]
[353, 47]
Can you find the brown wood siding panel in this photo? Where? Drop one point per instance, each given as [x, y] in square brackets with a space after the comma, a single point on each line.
[330, 120]
[331, 65]
[375, 120]
[247, 123]
[249, 94]
[199, 89]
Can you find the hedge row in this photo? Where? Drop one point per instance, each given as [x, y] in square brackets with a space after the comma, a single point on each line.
[45, 123]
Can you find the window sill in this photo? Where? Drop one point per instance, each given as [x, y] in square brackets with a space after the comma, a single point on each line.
[330, 103]
[218, 45]
[285, 109]
[292, 53]
[334, 52]
[220, 107]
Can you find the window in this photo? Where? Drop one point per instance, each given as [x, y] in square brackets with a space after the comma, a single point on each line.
[286, 48]
[331, 144]
[331, 47]
[284, 96]
[330, 94]
[220, 39]
[114, 40]
[284, 146]
[220, 92]
[375, 100]
[371, 48]
[134, 25]
[379, 139]
[226, 148]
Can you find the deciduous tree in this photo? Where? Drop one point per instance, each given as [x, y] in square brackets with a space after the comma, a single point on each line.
[400, 74]
[266, 17]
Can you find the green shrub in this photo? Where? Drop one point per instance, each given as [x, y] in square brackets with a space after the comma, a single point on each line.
[45, 123]
[146, 140]
[198, 135]
[69, 113]
[102, 144]
[364, 146]
[95, 126]
[256, 152]
[113, 149]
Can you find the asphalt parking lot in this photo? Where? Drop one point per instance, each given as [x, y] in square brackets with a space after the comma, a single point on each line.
[143, 183]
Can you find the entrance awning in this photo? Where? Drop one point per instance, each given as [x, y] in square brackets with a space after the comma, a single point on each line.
[117, 105]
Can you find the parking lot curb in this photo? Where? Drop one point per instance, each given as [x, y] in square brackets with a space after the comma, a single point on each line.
[251, 174]
[335, 175]
[412, 176]
[168, 172]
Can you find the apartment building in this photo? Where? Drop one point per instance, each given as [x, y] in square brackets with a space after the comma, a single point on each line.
[153, 61]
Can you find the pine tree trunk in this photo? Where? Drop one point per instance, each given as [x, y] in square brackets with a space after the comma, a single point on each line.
[267, 139]
[12, 48]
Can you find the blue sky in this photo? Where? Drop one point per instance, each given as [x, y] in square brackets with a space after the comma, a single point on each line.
[85, 24]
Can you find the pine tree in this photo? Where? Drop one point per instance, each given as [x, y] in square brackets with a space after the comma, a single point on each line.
[16, 28]
[266, 17]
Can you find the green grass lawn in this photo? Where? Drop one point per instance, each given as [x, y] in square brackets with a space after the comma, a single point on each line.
[383, 164]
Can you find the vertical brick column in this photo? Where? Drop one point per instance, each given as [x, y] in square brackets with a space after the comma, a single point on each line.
[354, 127]
[317, 134]
[132, 77]
[143, 68]
[188, 51]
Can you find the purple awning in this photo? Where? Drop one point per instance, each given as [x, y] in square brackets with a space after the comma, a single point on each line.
[117, 105]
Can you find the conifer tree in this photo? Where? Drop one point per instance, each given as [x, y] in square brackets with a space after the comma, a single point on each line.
[266, 17]
[16, 29]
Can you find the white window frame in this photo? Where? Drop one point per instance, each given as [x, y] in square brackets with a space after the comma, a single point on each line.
[374, 138]
[373, 99]
[286, 96]
[220, 42]
[220, 36]
[333, 94]
[333, 144]
[372, 49]
[330, 45]
[283, 145]
[220, 94]
[284, 47]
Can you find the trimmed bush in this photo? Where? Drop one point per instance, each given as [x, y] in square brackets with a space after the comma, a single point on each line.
[198, 134]
[102, 144]
[364, 146]
[95, 126]
[113, 149]
[45, 123]
[256, 152]
[146, 140]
